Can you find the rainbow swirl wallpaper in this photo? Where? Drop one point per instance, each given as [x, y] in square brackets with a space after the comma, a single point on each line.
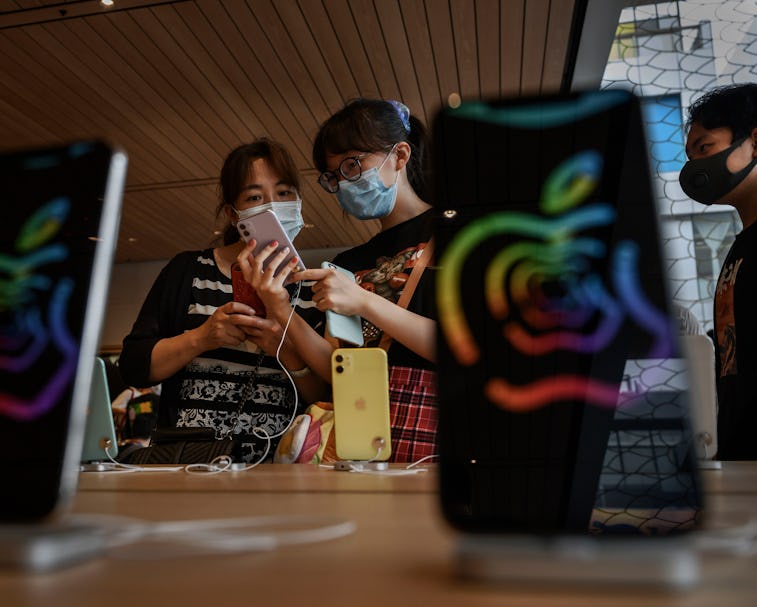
[34, 307]
[545, 291]
[550, 290]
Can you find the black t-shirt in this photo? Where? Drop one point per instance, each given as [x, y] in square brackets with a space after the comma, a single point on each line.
[383, 265]
[736, 349]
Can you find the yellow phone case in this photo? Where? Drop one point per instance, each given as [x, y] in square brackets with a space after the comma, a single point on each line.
[360, 383]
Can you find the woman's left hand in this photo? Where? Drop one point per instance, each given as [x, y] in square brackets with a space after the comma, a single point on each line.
[268, 283]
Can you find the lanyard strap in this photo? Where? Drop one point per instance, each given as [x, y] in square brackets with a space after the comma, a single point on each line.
[407, 292]
[410, 285]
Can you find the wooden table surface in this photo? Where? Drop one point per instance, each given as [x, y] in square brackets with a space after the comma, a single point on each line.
[402, 552]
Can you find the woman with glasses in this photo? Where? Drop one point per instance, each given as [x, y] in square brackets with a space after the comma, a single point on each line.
[372, 156]
[215, 357]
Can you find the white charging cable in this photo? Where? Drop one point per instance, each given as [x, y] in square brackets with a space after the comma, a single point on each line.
[212, 536]
[223, 463]
[120, 467]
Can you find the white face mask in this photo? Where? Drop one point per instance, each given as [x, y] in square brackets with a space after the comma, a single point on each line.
[289, 214]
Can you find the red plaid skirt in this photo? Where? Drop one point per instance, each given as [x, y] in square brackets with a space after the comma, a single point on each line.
[413, 411]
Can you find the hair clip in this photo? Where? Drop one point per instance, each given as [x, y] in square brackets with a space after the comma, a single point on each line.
[403, 111]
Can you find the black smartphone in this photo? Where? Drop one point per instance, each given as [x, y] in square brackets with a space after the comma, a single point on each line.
[57, 238]
[563, 395]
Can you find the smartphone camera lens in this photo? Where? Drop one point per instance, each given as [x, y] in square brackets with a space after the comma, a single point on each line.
[338, 358]
[340, 369]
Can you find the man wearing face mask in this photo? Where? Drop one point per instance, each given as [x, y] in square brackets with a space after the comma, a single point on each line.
[722, 168]
[216, 357]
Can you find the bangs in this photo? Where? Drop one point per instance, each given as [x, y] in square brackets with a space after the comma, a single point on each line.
[281, 162]
[344, 132]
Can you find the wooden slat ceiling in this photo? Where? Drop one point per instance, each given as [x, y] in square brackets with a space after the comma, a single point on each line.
[178, 84]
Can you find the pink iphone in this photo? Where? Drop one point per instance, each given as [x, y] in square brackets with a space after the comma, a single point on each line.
[265, 228]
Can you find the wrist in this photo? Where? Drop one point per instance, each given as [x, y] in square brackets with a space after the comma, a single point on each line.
[197, 340]
[364, 303]
[280, 314]
[296, 373]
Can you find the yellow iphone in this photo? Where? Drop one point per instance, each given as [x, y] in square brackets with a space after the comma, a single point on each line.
[360, 382]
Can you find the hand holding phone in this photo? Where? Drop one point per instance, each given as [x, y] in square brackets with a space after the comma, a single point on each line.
[266, 228]
[339, 326]
[244, 292]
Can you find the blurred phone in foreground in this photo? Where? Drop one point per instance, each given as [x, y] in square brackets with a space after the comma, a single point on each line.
[360, 383]
[266, 228]
[244, 292]
[564, 400]
[61, 212]
[564, 424]
[340, 326]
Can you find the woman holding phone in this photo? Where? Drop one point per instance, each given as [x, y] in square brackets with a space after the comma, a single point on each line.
[372, 156]
[210, 352]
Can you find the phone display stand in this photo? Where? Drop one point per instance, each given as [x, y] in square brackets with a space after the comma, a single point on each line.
[49, 546]
[349, 465]
[642, 562]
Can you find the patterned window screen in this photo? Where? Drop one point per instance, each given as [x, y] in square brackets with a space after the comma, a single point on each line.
[670, 53]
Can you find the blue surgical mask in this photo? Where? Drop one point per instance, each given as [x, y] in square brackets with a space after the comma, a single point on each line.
[289, 214]
[368, 197]
[708, 179]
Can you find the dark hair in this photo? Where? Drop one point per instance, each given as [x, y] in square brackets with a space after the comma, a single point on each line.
[372, 125]
[733, 106]
[236, 166]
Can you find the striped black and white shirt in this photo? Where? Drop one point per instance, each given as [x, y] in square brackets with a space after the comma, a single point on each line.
[208, 391]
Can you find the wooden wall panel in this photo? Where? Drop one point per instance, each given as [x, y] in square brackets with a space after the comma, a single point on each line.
[558, 38]
[355, 50]
[421, 56]
[330, 47]
[512, 36]
[466, 47]
[535, 23]
[179, 84]
[396, 32]
[442, 43]
[489, 44]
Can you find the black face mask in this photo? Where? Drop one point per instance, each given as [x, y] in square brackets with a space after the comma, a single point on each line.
[707, 180]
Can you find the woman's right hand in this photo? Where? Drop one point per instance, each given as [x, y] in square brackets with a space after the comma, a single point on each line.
[225, 326]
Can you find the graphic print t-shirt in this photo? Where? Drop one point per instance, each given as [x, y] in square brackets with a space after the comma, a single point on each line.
[383, 265]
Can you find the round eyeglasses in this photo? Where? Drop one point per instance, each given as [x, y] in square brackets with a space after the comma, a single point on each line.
[350, 169]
